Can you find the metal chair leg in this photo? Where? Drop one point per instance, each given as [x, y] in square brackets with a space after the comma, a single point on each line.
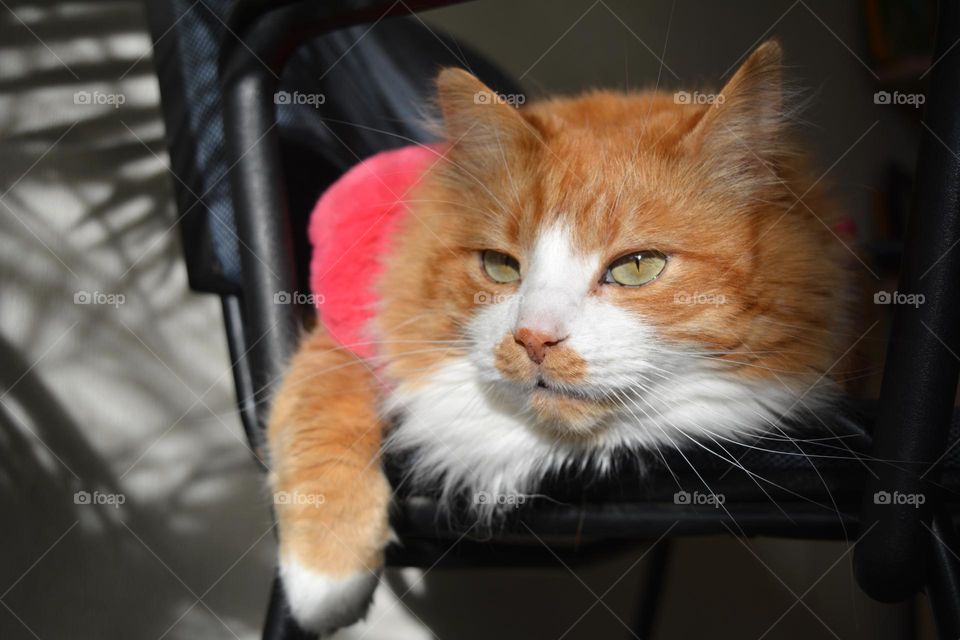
[652, 588]
[279, 625]
[942, 568]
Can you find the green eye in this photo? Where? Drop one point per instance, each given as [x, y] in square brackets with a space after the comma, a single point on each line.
[635, 269]
[501, 267]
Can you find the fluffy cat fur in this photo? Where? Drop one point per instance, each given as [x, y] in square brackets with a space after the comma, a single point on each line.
[742, 327]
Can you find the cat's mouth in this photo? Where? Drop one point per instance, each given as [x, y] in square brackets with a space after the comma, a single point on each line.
[547, 388]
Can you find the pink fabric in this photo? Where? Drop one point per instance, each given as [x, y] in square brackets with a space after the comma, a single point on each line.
[351, 230]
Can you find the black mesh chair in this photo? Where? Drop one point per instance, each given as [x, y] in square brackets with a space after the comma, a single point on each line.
[249, 167]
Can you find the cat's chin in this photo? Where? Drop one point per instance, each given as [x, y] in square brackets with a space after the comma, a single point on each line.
[567, 414]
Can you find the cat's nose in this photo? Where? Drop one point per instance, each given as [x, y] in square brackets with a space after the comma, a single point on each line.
[536, 342]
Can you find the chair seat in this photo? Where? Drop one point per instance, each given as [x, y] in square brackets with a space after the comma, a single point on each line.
[807, 485]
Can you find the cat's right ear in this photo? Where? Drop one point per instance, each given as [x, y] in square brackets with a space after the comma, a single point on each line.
[479, 124]
[740, 138]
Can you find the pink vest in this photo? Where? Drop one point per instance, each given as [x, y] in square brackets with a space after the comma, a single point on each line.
[351, 230]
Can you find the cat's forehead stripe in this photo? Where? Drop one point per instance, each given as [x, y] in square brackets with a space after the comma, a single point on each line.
[558, 279]
[561, 234]
[558, 242]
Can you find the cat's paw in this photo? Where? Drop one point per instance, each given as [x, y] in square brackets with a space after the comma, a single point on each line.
[323, 603]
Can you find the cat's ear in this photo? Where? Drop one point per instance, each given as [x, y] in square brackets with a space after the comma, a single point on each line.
[741, 135]
[478, 123]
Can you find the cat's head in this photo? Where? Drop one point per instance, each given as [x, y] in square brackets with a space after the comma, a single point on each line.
[619, 253]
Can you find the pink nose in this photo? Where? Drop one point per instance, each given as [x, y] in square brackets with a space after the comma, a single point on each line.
[536, 342]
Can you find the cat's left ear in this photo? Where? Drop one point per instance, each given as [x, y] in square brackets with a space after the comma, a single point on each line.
[740, 136]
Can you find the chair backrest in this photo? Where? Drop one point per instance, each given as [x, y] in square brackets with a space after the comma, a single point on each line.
[343, 96]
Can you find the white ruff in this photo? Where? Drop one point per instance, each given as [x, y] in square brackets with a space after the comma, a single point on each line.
[465, 435]
[470, 430]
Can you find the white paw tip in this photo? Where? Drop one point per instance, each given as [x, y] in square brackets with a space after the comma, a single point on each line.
[321, 602]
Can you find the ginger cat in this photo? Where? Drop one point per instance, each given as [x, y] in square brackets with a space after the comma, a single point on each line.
[647, 277]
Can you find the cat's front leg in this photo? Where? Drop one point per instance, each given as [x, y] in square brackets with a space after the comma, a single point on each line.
[330, 493]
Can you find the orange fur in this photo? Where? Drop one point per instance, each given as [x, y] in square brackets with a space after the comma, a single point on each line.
[324, 441]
